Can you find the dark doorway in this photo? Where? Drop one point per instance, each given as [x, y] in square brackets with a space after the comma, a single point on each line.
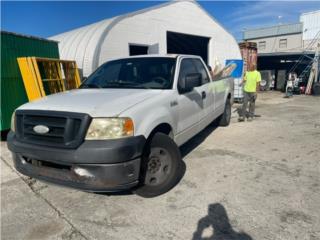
[282, 64]
[181, 43]
[138, 50]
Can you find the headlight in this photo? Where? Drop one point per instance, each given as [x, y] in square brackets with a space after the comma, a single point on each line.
[13, 122]
[109, 128]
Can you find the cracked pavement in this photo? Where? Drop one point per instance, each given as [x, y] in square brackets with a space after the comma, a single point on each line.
[251, 180]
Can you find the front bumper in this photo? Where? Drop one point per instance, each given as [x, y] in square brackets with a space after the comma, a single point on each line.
[98, 166]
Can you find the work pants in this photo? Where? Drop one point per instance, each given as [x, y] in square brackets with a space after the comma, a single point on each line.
[248, 98]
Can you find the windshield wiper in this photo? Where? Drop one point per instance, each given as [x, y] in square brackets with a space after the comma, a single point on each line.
[119, 84]
[90, 85]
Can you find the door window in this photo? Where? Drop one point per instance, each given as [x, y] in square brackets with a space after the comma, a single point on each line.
[186, 67]
[202, 70]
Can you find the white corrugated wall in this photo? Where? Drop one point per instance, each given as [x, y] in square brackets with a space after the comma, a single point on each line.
[92, 45]
[80, 44]
[311, 24]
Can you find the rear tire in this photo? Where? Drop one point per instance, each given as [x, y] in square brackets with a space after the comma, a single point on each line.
[160, 166]
[316, 89]
[226, 116]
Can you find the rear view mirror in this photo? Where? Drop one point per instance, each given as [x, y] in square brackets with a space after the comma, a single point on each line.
[190, 81]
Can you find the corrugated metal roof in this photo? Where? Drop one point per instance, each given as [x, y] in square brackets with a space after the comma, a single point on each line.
[26, 36]
[272, 31]
[86, 46]
[310, 13]
[311, 53]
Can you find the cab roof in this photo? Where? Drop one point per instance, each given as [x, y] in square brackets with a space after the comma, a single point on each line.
[159, 55]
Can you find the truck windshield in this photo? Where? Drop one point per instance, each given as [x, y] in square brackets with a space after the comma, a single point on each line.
[143, 73]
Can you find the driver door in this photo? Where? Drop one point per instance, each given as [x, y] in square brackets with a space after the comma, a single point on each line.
[190, 105]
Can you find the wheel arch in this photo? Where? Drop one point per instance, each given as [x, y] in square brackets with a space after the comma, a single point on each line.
[164, 127]
[229, 96]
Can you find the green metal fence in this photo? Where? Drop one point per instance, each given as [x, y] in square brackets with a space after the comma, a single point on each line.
[13, 93]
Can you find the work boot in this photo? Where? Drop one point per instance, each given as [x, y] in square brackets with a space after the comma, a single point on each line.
[241, 119]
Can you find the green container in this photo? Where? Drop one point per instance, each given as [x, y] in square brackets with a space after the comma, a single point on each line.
[14, 45]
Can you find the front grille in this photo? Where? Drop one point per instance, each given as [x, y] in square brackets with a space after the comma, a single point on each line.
[66, 129]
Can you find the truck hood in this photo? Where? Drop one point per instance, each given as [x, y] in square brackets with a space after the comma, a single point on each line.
[95, 102]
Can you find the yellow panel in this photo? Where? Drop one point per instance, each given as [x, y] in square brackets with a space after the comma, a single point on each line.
[29, 79]
[57, 65]
[33, 62]
[77, 76]
[33, 82]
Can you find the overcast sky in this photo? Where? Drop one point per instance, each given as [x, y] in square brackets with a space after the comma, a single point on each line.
[46, 19]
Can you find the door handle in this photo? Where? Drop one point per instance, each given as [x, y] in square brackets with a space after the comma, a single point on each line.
[203, 95]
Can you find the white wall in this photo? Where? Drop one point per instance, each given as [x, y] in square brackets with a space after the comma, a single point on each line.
[150, 28]
[94, 44]
[311, 29]
[311, 24]
[294, 43]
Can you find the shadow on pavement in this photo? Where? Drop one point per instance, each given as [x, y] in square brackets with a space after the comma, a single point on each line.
[218, 220]
[4, 135]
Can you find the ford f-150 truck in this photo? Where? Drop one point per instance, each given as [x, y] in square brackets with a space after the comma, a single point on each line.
[123, 127]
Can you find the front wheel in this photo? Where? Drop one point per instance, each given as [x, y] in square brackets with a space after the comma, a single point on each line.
[226, 116]
[161, 162]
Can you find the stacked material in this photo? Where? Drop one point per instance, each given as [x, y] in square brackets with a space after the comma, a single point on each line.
[249, 54]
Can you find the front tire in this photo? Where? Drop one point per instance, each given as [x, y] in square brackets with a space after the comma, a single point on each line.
[226, 116]
[161, 162]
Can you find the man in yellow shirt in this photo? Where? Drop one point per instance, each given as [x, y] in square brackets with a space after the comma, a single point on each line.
[251, 83]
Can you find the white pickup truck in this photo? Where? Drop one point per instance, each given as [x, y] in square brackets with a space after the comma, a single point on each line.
[122, 128]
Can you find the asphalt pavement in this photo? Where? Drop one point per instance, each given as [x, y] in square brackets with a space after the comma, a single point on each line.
[251, 180]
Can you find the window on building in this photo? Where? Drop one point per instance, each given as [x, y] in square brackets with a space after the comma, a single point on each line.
[283, 43]
[137, 50]
[262, 45]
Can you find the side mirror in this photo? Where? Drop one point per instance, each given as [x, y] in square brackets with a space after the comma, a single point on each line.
[191, 81]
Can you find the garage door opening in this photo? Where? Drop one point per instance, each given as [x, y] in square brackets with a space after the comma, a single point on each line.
[280, 65]
[138, 50]
[181, 43]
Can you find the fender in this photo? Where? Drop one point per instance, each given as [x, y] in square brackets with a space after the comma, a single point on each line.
[154, 119]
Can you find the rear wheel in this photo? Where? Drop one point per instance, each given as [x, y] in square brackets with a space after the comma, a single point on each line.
[161, 162]
[226, 116]
[316, 89]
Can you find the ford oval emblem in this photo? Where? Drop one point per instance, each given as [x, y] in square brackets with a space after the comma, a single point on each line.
[41, 129]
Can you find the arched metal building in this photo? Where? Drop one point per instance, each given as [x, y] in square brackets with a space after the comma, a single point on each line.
[173, 27]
